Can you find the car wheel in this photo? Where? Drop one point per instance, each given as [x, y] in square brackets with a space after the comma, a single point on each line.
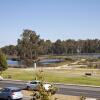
[21, 99]
[9, 98]
[28, 88]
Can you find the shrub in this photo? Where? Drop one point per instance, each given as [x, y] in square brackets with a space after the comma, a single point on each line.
[41, 93]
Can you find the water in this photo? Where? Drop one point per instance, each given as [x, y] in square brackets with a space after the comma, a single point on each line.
[13, 63]
[50, 61]
[44, 62]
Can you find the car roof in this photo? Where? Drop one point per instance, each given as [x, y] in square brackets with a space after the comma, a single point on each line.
[12, 88]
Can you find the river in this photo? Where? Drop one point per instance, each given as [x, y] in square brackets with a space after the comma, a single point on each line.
[44, 62]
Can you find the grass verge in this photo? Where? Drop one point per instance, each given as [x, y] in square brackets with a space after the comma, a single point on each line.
[58, 76]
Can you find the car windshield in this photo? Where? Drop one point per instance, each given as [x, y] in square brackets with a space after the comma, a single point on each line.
[35, 82]
[5, 90]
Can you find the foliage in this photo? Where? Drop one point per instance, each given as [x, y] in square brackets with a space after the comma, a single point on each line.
[82, 98]
[28, 62]
[30, 45]
[27, 46]
[41, 93]
[10, 50]
[3, 62]
[58, 47]
[69, 59]
[40, 75]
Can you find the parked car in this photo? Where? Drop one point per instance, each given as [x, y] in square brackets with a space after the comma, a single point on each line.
[11, 93]
[34, 85]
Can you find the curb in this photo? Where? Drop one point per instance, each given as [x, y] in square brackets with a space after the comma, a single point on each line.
[93, 86]
[14, 80]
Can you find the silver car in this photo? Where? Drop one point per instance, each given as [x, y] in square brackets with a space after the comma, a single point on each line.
[34, 85]
[11, 93]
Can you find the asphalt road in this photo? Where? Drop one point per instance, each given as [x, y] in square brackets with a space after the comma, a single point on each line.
[21, 85]
[74, 90]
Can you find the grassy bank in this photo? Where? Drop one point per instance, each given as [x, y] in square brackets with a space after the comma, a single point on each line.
[75, 76]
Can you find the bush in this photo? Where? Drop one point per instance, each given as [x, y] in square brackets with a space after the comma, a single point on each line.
[3, 62]
[53, 90]
[82, 98]
[41, 93]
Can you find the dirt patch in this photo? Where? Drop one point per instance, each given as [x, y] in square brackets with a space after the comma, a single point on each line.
[57, 96]
[65, 97]
[27, 93]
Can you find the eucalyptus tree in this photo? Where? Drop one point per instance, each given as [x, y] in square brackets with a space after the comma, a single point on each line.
[41, 49]
[48, 47]
[28, 45]
[58, 47]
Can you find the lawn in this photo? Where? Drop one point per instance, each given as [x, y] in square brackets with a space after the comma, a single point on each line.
[75, 76]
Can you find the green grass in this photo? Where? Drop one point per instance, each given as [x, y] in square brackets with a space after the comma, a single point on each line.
[18, 74]
[62, 76]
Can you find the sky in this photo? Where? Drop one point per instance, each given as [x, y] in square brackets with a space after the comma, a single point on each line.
[51, 19]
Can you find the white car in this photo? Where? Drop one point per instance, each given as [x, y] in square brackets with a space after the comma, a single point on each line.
[34, 85]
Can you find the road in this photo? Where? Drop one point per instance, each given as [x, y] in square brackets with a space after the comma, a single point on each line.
[14, 83]
[74, 90]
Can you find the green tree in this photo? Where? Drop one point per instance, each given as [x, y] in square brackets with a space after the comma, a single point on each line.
[9, 50]
[28, 46]
[58, 47]
[3, 62]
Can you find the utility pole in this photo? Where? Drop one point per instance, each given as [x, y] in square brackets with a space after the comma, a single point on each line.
[35, 59]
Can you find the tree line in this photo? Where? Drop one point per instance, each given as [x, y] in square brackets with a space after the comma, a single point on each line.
[30, 45]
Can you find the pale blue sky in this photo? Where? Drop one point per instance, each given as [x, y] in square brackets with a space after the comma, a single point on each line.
[51, 19]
